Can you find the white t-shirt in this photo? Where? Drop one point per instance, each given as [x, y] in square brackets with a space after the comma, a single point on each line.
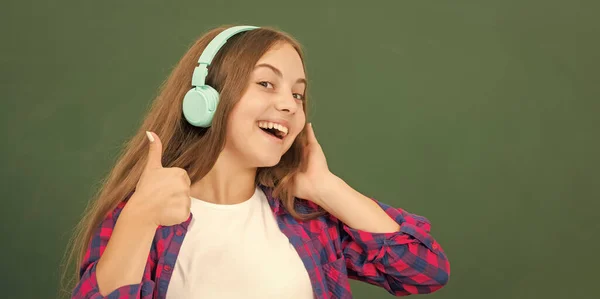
[237, 251]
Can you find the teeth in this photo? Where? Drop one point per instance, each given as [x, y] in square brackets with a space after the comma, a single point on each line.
[271, 125]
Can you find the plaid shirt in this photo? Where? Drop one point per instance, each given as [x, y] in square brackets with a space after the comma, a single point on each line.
[406, 262]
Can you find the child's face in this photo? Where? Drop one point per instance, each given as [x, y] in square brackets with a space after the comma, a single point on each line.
[275, 95]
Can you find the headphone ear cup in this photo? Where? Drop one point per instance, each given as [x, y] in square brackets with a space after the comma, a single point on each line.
[199, 105]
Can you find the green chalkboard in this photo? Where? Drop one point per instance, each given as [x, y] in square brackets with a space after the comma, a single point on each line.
[482, 116]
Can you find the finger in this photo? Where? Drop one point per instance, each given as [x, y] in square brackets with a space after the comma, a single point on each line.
[154, 151]
[310, 134]
[185, 176]
[305, 156]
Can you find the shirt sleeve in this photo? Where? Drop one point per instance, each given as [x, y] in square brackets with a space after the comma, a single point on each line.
[406, 262]
[87, 287]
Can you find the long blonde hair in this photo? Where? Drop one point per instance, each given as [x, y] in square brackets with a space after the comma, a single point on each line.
[229, 74]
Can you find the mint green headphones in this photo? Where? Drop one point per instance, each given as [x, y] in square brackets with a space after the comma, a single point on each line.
[200, 102]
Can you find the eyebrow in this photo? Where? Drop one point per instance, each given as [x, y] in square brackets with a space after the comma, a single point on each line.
[278, 72]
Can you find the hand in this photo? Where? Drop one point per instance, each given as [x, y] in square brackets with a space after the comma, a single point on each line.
[162, 195]
[314, 173]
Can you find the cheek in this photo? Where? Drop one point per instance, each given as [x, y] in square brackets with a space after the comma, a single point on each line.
[242, 113]
[238, 126]
[233, 122]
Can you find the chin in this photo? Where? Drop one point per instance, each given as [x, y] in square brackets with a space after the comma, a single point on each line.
[266, 160]
[269, 162]
[254, 159]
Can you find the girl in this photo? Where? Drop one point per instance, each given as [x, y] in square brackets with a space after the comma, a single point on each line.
[241, 204]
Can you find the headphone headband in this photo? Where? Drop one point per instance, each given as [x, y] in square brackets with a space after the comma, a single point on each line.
[215, 45]
[201, 71]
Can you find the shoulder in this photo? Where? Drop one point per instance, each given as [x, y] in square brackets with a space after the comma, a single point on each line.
[301, 206]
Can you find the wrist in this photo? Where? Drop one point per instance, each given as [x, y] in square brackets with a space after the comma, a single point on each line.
[138, 215]
[327, 186]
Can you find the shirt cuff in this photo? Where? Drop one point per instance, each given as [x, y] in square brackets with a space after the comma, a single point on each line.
[408, 233]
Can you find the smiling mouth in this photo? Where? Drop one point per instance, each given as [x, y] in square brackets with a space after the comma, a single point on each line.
[276, 130]
[273, 132]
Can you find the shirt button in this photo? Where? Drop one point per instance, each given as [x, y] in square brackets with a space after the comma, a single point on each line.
[167, 268]
[178, 233]
[435, 246]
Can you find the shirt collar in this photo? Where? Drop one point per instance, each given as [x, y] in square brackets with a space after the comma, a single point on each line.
[275, 203]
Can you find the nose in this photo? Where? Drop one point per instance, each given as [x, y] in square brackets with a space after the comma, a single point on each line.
[286, 103]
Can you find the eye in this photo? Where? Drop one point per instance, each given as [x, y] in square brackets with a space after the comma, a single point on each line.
[265, 84]
[299, 96]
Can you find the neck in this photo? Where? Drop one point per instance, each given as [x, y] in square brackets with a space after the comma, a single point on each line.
[226, 183]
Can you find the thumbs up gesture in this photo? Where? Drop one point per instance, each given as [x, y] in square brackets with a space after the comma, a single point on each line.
[162, 194]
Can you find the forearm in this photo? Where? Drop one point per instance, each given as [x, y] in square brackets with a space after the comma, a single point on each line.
[124, 259]
[352, 208]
